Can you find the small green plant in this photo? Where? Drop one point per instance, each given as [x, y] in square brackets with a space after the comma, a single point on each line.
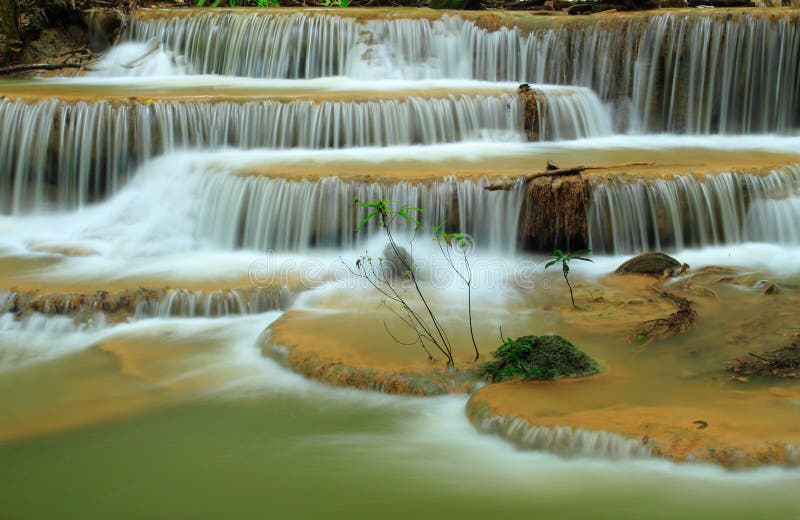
[537, 358]
[559, 256]
[334, 3]
[382, 273]
[429, 332]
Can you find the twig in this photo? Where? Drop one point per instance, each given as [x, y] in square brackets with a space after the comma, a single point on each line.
[138, 61]
[771, 362]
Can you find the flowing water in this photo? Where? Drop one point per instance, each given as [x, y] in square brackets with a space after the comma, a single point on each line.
[161, 211]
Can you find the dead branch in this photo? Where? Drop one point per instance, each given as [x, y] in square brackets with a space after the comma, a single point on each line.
[771, 362]
[27, 67]
[138, 61]
[576, 170]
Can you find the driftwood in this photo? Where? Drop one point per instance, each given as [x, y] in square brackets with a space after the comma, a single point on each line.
[560, 172]
[27, 67]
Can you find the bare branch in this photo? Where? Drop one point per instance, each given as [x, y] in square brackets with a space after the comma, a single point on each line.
[560, 173]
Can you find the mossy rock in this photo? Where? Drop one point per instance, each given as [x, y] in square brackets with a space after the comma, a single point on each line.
[538, 358]
[650, 263]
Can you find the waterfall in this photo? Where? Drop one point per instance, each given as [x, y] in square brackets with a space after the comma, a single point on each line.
[283, 215]
[717, 72]
[571, 113]
[92, 308]
[189, 304]
[77, 152]
[686, 211]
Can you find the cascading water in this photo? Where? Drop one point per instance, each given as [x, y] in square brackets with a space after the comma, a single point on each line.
[570, 113]
[686, 211]
[283, 215]
[144, 303]
[84, 150]
[67, 154]
[683, 73]
[190, 304]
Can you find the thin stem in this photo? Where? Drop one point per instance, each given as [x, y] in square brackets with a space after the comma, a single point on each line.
[440, 331]
[469, 307]
[467, 280]
[571, 296]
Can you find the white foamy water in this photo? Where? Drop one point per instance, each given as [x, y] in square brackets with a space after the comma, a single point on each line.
[138, 59]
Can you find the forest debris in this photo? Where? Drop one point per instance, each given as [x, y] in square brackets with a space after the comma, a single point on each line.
[676, 323]
[783, 362]
[575, 170]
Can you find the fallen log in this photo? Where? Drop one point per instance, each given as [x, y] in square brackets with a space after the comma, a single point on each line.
[560, 172]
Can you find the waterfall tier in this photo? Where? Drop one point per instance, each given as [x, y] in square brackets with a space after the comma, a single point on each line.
[82, 150]
[619, 215]
[144, 303]
[688, 211]
[682, 72]
[282, 215]
[68, 153]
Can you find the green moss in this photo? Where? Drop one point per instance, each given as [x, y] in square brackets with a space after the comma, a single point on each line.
[537, 358]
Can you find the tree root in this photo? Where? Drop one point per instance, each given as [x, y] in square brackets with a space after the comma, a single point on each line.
[676, 323]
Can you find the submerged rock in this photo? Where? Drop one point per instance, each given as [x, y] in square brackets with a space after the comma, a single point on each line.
[657, 264]
[395, 262]
[538, 358]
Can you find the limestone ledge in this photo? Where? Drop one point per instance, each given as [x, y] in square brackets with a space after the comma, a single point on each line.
[434, 381]
[667, 434]
[118, 305]
[490, 20]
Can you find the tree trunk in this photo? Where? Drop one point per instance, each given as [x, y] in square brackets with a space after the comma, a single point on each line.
[8, 20]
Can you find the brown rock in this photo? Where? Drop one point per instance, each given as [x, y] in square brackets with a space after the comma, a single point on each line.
[656, 264]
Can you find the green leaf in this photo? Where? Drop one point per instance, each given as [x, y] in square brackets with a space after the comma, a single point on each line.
[403, 214]
[565, 267]
[582, 258]
[550, 263]
[367, 219]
